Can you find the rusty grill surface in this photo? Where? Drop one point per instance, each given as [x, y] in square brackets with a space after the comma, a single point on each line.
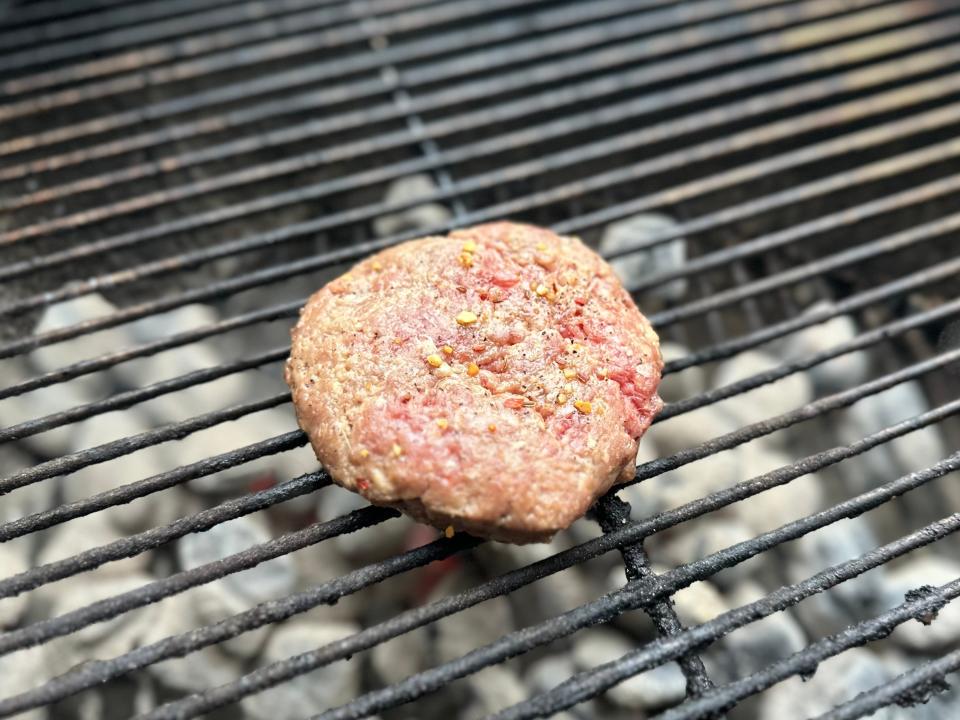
[239, 153]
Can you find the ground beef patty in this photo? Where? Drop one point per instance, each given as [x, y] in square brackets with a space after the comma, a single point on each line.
[496, 380]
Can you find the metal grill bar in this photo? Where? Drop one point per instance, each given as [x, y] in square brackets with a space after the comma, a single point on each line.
[124, 446]
[817, 407]
[108, 360]
[898, 690]
[801, 663]
[644, 592]
[538, 75]
[636, 532]
[96, 672]
[136, 544]
[833, 221]
[806, 123]
[591, 683]
[129, 398]
[864, 340]
[924, 121]
[874, 89]
[611, 513]
[296, 439]
[608, 57]
[71, 622]
[61, 10]
[852, 303]
[155, 483]
[875, 248]
[231, 26]
[486, 34]
[111, 450]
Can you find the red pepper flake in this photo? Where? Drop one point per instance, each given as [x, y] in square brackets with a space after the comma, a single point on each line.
[580, 300]
[479, 348]
[363, 485]
[513, 403]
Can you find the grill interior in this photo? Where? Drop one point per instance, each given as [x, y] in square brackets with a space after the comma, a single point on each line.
[776, 182]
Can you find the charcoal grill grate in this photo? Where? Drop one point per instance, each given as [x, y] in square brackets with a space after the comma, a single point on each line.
[215, 145]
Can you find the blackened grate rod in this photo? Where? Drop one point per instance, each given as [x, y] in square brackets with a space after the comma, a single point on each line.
[124, 446]
[155, 483]
[200, 33]
[925, 121]
[270, 83]
[127, 493]
[611, 513]
[863, 79]
[928, 677]
[838, 400]
[806, 660]
[106, 12]
[607, 58]
[644, 592]
[102, 362]
[590, 683]
[815, 268]
[155, 537]
[626, 535]
[129, 398]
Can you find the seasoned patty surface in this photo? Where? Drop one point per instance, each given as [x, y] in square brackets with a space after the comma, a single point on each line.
[497, 380]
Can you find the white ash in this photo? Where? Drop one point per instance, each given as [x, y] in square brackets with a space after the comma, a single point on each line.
[83, 347]
[656, 688]
[216, 601]
[546, 673]
[13, 561]
[426, 216]
[761, 643]
[494, 688]
[197, 671]
[837, 680]
[851, 601]
[699, 603]
[640, 265]
[82, 534]
[326, 687]
[682, 385]
[780, 505]
[24, 670]
[334, 502]
[706, 537]
[690, 429]
[547, 597]
[111, 637]
[927, 570]
[919, 449]
[766, 401]
[464, 631]
[40, 403]
[688, 482]
[840, 373]
[318, 564]
[248, 430]
[140, 514]
[272, 579]
[402, 656]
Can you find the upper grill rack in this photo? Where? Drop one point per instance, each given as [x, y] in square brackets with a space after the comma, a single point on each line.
[150, 143]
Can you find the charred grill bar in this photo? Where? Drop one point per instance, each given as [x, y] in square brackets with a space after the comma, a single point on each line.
[172, 153]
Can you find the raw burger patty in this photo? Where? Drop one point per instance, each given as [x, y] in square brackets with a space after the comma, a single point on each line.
[497, 380]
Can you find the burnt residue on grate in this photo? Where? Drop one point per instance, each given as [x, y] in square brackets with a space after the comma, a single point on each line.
[773, 180]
